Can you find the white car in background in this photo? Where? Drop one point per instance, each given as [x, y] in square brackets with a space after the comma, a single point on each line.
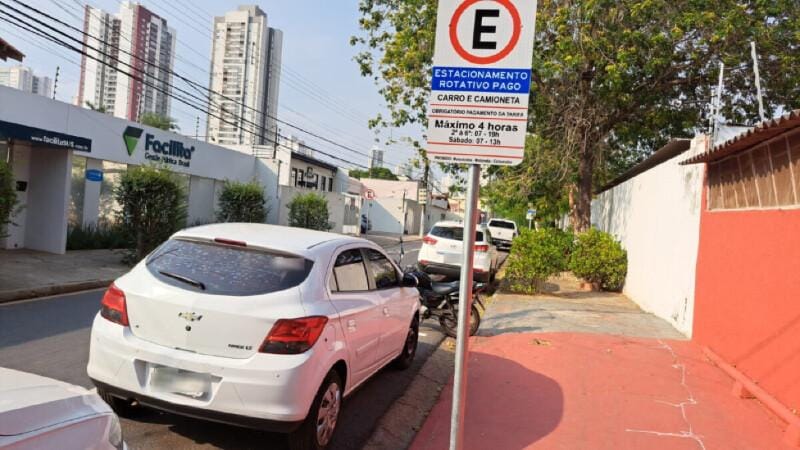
[503, 232]
[42, 414]
[254, 325]
[442, 247]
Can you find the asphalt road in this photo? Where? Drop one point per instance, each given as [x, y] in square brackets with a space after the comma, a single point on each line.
[50, 337]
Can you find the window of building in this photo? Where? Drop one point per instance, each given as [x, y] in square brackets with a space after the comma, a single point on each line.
[330, 184]
[766, 176]
[108, 205]
[350, 273]
[77, 191]
[323, 183]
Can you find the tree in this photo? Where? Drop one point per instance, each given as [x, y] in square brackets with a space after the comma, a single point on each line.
[242, 202]
[153, 206]
[158, 121]
[98, 108]
[380, 173]
[309, 211]
[612, 80]
[8, 198]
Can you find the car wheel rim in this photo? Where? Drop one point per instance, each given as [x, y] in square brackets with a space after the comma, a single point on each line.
[328, 413]
[411, 341]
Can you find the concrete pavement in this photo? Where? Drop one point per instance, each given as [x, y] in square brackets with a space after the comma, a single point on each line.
[579, 390]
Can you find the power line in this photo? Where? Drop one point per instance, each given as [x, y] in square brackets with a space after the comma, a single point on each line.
[179, 98]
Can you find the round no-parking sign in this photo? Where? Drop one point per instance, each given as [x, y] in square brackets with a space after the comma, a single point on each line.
[481, 79]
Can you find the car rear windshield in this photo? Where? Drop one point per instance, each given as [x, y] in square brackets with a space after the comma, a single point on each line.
[501, 224]
[454, 233]
[224, 269]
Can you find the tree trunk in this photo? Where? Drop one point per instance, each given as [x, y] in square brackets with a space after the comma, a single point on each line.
[583, 207]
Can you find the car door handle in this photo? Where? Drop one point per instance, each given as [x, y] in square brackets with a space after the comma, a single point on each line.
[385, 311]
[351, 325]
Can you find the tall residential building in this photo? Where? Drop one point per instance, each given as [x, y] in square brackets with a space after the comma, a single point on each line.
[245, 76]
[376, 157]
[23, 78]
[135, 30]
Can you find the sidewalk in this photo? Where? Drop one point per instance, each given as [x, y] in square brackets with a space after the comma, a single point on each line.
[571, 370]
[28, 274]
[576, 391]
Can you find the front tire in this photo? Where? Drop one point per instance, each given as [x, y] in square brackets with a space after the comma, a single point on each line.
[449, 322]
[317, 430]
[406, 357]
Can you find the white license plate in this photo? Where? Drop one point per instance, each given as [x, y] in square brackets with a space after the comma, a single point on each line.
[178, 381]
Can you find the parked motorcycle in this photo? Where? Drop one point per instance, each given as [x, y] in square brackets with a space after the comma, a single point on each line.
[440, 301]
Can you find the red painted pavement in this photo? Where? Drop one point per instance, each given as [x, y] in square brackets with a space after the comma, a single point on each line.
[585, 391]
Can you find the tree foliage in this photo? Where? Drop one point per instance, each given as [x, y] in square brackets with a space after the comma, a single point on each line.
[242, 202]
[380, 173]
[8, 198]
[613, 80]
[309, 211]
[158, 121]
[153, 206]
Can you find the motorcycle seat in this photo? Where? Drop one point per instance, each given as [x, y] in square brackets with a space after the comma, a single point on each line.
[445, 288]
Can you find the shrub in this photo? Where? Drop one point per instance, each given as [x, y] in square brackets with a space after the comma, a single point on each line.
[535, 256]
[153, 206]
[309, 211]
[242, 202]
[8, 197]
[100, 236]
[598, 258]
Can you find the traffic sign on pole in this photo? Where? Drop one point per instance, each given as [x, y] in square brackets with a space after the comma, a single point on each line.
[478, 109]
[478, 114]
[369, 194]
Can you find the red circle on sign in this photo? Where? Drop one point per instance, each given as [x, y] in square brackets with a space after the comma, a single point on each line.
[517, 25]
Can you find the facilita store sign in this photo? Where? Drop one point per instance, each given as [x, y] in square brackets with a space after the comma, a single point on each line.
[170, 151]
[49, 138]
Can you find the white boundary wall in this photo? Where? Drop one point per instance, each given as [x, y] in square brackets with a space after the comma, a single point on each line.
[656, 216]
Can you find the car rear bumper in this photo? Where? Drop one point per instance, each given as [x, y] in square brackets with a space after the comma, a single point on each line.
[452, 271]
[272, 392]
[501, 243]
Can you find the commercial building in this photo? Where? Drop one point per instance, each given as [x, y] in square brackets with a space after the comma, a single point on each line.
[245, 77]
[136, 41]
[22, 78]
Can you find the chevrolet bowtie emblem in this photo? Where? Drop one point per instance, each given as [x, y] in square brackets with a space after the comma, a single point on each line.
[190, 316]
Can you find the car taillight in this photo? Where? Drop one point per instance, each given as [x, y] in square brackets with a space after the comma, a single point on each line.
[113, 306]
[293, 336]
[429, 240]
[483, 248]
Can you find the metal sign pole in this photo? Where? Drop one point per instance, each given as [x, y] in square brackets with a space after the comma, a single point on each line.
[464, 308]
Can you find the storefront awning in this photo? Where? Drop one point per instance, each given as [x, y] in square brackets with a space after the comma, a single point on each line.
[38, 136]
[764, 131]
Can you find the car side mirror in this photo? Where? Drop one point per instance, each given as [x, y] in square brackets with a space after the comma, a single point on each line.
[409, 280]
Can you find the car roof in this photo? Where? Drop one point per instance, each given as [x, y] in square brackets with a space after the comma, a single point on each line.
[299, 241]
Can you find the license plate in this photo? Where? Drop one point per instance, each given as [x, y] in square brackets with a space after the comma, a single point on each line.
[178, 381]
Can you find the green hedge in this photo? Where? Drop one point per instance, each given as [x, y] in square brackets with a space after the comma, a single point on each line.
[598, 258]
[93, 237]
[309, 211]
[8, 197]
[535, 256]
[242, 202]
[153, 206]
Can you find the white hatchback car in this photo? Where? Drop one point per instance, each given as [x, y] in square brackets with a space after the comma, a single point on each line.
[442, 247]
[40, 413]
[255, 325]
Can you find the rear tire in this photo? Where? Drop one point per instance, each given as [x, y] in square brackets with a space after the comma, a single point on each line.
[318, 429]
[406, 357]
[122, 407]
[450, 324]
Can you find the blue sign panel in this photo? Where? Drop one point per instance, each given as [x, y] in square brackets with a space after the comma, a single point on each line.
[44, 137]
[476, 79]
[94, 175]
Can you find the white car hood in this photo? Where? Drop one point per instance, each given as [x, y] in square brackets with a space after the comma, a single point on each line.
[30, 402]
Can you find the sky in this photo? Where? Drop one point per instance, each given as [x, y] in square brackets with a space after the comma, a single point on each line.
[321, 87]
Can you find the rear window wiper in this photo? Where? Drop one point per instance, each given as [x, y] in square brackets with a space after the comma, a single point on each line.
[186, 280]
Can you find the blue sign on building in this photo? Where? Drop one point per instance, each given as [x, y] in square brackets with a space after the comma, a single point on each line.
[94, 175]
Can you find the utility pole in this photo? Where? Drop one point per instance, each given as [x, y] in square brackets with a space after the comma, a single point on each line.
[55, 82]
[758, 81]
[197, 128]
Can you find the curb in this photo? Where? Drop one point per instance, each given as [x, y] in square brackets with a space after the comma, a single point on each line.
[56, 289]
[399, 426]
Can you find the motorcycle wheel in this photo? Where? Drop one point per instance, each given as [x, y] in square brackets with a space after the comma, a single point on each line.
[449, 322]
